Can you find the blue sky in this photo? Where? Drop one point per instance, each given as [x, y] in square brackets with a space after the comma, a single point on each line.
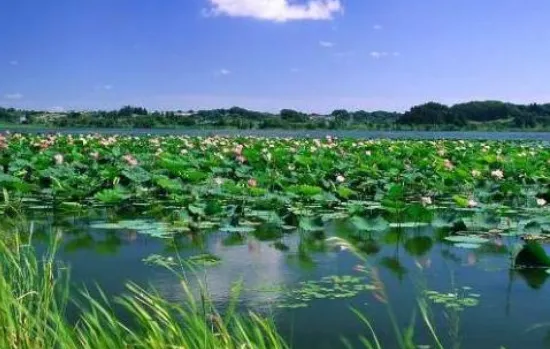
[271, 54]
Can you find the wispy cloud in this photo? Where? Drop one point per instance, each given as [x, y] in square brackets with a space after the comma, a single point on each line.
[378, 54]
[377, 27]
[223, 72]
[326, 44]
[275, 10]
[14, 62]
[13, 96]
[382, 54]
[108, 87]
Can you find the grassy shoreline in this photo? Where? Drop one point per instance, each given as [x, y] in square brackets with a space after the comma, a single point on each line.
[35, 294]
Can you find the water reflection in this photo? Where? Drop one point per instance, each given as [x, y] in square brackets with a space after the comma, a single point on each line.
[271, 256]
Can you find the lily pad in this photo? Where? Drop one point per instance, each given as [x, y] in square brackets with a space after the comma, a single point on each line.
[467, 239]
[205, 259]
[466, 245]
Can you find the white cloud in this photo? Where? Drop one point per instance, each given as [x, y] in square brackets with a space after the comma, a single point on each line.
[276, 10]
[382, 54]
[377, 27]
[223, 72]
[377, 54]
[326, 44]
[13, 96]
[107, 87]
[14, 62]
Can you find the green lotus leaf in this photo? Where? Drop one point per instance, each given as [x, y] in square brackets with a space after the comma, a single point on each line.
[466, 239]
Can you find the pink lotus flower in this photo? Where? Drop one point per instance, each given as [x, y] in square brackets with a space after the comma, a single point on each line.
[239, 149]
[448, 164]
[132, 161]
[252, 182]
[3, 142]
[241, 159]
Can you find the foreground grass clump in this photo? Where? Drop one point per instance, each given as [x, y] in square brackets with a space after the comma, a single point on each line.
[34, 296]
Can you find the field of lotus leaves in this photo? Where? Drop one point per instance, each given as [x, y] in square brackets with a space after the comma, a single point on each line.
[235, 183]
[296, 197]
[286, 173]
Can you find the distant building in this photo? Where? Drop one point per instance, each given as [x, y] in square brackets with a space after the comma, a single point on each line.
[313, 116]
[183, 113]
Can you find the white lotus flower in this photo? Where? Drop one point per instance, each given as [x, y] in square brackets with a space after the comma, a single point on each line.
[58, 158]
[541, 202]
[340, 179]
[498, 174]
[426, 200]
[472, 203]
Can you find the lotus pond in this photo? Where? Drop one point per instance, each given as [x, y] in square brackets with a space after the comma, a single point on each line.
[317, 230]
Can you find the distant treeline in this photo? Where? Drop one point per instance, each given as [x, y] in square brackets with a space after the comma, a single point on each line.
[484, 115]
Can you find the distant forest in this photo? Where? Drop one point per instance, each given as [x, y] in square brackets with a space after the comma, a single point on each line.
[482, 115]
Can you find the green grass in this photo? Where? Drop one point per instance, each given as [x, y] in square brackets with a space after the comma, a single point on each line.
[35, 293]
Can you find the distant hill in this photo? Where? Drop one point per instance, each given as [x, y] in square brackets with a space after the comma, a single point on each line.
[475, 115]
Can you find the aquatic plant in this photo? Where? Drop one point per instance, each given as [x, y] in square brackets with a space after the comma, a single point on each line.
[192, 170]
[34, 295]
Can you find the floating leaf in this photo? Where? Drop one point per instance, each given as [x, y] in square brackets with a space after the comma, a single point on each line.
[205, 259]
[467, 239]
[237, 229]
[467, 245]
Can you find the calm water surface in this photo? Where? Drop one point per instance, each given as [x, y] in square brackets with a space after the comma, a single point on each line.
[538, 136]
[510, 302]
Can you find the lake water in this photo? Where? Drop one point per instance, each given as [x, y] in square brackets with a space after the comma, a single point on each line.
[539, 136]
[409, 261]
